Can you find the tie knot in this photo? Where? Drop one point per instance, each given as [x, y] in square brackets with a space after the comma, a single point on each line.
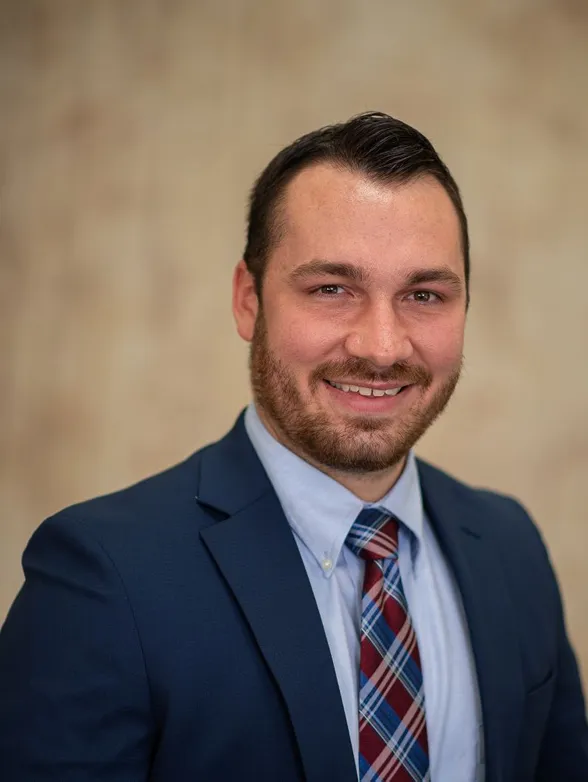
[374, 535]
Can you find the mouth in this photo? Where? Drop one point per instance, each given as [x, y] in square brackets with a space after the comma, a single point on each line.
[386, 390]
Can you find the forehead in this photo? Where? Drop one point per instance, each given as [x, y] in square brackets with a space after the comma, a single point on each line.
[331, 211]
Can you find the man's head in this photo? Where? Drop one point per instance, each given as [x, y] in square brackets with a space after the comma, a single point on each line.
[355, 276]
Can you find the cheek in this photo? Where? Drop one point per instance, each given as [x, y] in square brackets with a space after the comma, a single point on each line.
[302, 341]
[442, 348]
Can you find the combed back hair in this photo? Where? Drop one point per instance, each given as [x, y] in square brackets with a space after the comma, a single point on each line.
[376, 145]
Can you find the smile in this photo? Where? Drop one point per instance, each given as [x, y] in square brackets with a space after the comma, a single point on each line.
[365, 391]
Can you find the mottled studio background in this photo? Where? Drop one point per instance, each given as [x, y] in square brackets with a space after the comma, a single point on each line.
[130, 132]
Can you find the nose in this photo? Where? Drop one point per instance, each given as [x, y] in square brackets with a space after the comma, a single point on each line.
[380, 336]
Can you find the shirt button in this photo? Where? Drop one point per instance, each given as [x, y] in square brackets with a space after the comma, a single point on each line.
[327, 564]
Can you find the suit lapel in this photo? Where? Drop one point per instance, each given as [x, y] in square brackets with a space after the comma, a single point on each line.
[256, 552]
[475, 560]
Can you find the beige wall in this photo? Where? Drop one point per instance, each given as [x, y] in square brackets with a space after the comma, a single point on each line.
[130, 133]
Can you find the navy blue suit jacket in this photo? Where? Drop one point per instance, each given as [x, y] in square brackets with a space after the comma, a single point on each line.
[169, 633]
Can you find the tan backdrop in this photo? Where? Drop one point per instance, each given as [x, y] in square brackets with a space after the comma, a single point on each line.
[130, 133]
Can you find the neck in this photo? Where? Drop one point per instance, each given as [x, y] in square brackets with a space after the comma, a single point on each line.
[368, 486]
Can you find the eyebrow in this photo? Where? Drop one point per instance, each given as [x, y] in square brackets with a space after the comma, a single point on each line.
[333, 268]
[444, 274]
[316, 268]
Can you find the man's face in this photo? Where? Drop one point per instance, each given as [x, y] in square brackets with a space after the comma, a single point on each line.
[357, 343]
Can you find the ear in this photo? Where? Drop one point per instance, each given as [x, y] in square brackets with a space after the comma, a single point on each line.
[245, 301]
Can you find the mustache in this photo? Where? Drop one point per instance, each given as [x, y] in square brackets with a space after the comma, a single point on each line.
[359, 370]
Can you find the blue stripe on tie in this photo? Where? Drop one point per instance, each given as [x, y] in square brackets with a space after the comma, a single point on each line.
[365, 768]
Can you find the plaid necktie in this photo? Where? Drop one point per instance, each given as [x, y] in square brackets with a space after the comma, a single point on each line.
[392, 730]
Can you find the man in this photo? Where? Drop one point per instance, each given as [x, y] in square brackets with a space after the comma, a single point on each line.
[305, 600]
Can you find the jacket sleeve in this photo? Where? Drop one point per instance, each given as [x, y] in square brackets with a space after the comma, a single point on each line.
[74, 695]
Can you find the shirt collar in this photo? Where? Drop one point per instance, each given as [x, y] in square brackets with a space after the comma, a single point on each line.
[320, 510]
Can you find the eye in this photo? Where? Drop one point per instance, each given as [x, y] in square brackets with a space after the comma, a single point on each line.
[424, 297]
[329, 290]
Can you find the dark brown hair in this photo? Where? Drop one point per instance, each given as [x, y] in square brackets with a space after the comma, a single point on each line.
[374, 144]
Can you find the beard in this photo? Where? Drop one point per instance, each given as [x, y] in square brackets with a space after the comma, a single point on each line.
[357, 443]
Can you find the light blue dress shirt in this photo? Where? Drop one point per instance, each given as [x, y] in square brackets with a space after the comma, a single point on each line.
[320, 512]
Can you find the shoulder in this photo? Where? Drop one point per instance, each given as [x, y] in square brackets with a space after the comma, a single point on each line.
[139, 517]
[156, 523]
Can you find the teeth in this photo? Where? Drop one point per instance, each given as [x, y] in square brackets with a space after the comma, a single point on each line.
[367, 391]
